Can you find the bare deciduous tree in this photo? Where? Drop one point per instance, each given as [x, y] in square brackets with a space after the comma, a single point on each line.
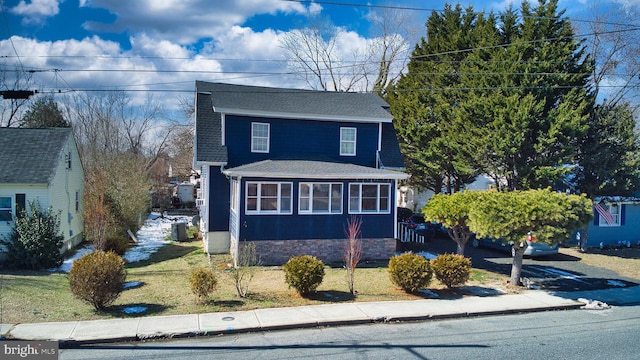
[614, 47]
[353, 249]
[318, 55]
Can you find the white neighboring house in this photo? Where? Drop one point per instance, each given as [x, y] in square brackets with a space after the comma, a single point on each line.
[42, 165]
[416, 200]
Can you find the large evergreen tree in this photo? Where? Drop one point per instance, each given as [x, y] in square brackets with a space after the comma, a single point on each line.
[609, 153]
[508, 98]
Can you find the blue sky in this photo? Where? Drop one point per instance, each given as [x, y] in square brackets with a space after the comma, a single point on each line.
[165, 45]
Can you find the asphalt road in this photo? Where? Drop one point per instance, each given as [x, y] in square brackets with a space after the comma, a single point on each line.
[554, 273]
[569, 334]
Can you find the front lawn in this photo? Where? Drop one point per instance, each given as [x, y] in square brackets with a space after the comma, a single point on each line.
[161, 286]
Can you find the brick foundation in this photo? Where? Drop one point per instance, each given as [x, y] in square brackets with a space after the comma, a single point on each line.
[278, 252]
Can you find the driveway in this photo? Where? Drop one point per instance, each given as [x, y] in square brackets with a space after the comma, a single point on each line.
[558, 272]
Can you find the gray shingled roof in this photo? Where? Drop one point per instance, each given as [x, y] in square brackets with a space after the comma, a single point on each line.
[30, 156]
[311, 104]
[390, 156]
[208, 145]
[312, 170]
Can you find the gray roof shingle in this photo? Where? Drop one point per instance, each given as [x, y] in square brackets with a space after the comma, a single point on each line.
[208, 144]
[303, 103]
[311, 169]
[390, 156]
[30, 156]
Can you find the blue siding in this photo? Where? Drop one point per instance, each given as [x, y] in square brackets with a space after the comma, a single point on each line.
[300, 227]
[218, 200]
[300, 140]
[613, 235]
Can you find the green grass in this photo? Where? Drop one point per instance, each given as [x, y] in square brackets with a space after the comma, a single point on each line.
[31, 296]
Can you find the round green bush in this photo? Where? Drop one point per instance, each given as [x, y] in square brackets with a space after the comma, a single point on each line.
[117, 244]
[304, 273]
[203, 281]
[451, 269]
[98, 278]
[411, 272]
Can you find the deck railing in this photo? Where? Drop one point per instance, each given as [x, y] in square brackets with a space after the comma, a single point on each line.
[407, 234]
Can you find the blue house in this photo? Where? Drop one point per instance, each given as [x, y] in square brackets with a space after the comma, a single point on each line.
[616, 222]
[286, 168]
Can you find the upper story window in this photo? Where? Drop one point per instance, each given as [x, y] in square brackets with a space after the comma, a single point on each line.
[269, 198]
[609, 214]
[347, 141]
[320, 198]
[5, 208]
[369, 198]
[260, 137]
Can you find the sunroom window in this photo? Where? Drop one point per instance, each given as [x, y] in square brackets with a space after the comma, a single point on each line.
[369, 198]
[269, 198]
[320, 198]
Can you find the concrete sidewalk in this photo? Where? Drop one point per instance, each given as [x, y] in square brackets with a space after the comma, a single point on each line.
[133, 329]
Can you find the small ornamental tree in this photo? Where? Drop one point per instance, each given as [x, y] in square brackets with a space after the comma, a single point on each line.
[452, 211]
[549, 216]
[353, 249]
[35, 239]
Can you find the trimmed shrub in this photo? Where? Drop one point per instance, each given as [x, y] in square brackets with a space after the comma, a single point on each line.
[35, 239]
[98, 278]
[117, 244]
[304, 273]
[451, 269]
[411, 272]
[203, 281]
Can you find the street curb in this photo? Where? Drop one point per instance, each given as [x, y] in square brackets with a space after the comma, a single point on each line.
[73, 343]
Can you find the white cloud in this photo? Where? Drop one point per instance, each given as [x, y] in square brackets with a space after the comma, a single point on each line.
[184, 21]
[35, 11]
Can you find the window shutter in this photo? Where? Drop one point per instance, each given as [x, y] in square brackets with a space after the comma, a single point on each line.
[623, 209]
[596, 218]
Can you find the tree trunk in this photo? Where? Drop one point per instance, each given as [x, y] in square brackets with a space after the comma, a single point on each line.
[517, 250]
[582, 241]
[460, 248]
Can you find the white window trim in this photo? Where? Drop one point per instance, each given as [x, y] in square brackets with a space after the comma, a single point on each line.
[378, 211]
[234, 195]
[254, 150]
[354, 141]
[616, 217]
[323, 212]
[279, 210]
[10, 208]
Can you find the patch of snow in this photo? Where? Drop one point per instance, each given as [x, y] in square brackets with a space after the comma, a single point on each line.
[427, 255]
[428, 293]
[68, 262]
[593, 304]
[154, 234]
[560, 273]
[135, 309]
[616, 283]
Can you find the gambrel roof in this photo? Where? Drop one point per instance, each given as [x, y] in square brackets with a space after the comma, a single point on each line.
[30, 156]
